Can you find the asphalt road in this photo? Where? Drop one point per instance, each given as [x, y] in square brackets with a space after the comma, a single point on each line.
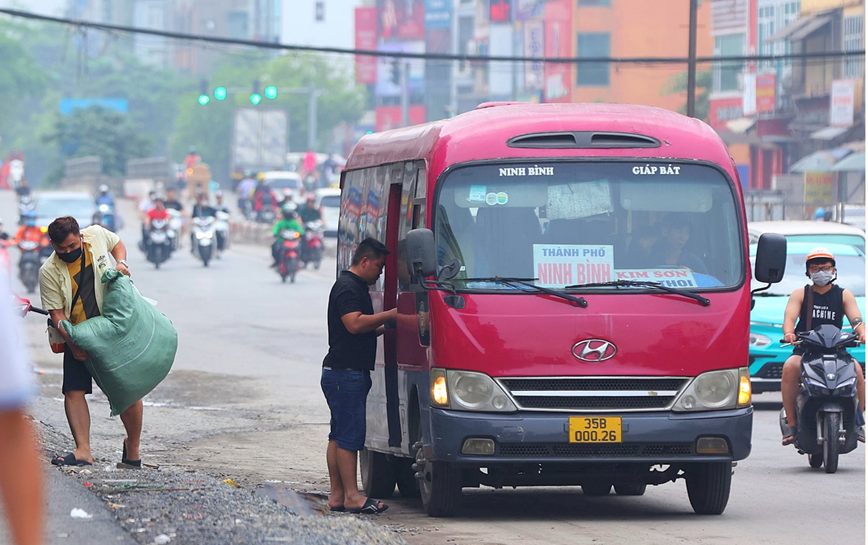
[243, 400]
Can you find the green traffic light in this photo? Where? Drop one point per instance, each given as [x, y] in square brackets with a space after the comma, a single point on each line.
[271, 92]
[255, 98]
[204, 99]
[220, 93]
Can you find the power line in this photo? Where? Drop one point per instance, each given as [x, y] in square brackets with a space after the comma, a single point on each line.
[425, 56]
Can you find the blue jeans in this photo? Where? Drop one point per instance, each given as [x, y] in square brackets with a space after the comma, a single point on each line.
[346, 392]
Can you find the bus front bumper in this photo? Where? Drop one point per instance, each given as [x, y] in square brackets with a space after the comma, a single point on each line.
[653, 438]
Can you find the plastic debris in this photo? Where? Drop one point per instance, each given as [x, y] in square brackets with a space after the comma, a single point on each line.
[80, 514]
[230, 482]
[162, 539]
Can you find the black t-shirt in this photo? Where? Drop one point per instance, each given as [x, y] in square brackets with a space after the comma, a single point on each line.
[174, 205]
[348, 351]
[828, 308]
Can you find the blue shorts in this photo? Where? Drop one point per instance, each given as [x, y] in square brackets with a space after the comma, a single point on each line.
[346, 392]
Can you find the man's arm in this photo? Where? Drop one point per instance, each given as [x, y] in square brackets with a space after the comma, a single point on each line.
[58, 316]
[851, 310]
[357, 323]
[119, 252]
[791, 314]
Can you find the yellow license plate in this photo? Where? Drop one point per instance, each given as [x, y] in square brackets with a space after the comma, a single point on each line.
[595, 429]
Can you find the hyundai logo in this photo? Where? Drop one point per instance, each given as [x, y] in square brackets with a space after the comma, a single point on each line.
[594, 350]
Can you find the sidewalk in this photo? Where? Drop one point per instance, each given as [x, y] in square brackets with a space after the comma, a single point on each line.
[63, 494]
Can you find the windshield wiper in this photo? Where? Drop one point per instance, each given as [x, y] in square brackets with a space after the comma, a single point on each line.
[575, 301]
[645, 284]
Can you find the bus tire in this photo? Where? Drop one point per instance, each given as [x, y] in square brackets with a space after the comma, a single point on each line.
[440, 488]
[632, 489]
[378, 474]
[708, 487]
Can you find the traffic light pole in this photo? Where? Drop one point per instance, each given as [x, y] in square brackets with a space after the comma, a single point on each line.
[691, 62]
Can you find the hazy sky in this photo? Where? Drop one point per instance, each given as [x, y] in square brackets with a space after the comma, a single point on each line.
[44, 7]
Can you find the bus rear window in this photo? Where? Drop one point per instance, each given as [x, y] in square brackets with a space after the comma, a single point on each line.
[581, 222]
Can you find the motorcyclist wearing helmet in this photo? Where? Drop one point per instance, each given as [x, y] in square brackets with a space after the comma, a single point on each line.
[289, 222]
[4, 236]
[829, 303]
[30, 231]
[104, 196]
[310, 212]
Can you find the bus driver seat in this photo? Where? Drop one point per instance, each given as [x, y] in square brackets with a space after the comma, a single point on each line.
[504, 239]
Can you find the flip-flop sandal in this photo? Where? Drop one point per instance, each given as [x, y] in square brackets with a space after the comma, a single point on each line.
[69, 460]
[371, 507]
[128, 464]
[860, 434]
[338, 509]
[789, 435]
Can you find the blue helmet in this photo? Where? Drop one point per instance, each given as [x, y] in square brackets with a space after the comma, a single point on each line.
[30, 218]
[820, 213]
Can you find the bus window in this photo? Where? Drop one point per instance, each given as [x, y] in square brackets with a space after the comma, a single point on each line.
[570, 223]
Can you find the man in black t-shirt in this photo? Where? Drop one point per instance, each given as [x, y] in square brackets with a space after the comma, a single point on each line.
[829, 305]
[346, 377]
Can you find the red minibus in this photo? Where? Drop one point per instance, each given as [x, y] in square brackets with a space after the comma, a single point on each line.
[573, 292]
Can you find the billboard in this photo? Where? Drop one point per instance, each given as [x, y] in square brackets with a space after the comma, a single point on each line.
[402, 19]
[438, 14]
[390, 117]
[765, 93]
[843, 102]
[558, 44]
[534, 72]
[527, 9]
[366, 38]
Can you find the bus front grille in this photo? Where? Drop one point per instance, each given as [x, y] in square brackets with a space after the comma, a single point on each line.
[600, 394]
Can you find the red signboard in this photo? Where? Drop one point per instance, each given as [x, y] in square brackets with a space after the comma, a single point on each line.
[402, 18]
[765, 93]
[389, 117]
[366, 38]
[558, 44]
[499, 11]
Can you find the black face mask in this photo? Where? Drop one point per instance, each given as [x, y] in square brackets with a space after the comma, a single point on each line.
[70, 257]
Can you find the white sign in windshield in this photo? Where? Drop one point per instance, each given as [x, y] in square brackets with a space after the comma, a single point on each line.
[561, 265]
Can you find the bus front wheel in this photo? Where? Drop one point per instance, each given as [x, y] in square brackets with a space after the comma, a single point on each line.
[708, 487]
[378, 474]
[439, 486]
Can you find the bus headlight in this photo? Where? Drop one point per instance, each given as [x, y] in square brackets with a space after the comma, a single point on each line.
[468, 391]
[716, 390]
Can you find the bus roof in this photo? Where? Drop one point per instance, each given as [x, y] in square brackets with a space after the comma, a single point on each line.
[483, 133]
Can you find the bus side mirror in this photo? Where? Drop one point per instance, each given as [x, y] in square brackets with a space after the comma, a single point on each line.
[771, 258]
[421, 255]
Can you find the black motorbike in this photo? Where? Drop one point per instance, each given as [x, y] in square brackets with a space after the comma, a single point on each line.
[28, 265]
[828, 415]
[158, 244]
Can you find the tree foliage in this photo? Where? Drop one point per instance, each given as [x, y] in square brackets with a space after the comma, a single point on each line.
[97, 131]
[210, 127]
[678, 85]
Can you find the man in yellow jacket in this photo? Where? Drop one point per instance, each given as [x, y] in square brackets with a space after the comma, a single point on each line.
[71, 288]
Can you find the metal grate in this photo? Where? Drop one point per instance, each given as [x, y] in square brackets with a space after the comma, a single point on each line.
[594, 384]
[771, 370]
[569, 450]
[577, 403]
[594, 393]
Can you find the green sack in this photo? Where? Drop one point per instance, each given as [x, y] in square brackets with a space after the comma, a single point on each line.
[131, 346]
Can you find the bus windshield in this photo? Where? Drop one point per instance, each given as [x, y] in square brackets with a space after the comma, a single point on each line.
[560, 224]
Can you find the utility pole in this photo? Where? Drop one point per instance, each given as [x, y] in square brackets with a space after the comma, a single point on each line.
[311, 118]
[691, 61]
[405, 95]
